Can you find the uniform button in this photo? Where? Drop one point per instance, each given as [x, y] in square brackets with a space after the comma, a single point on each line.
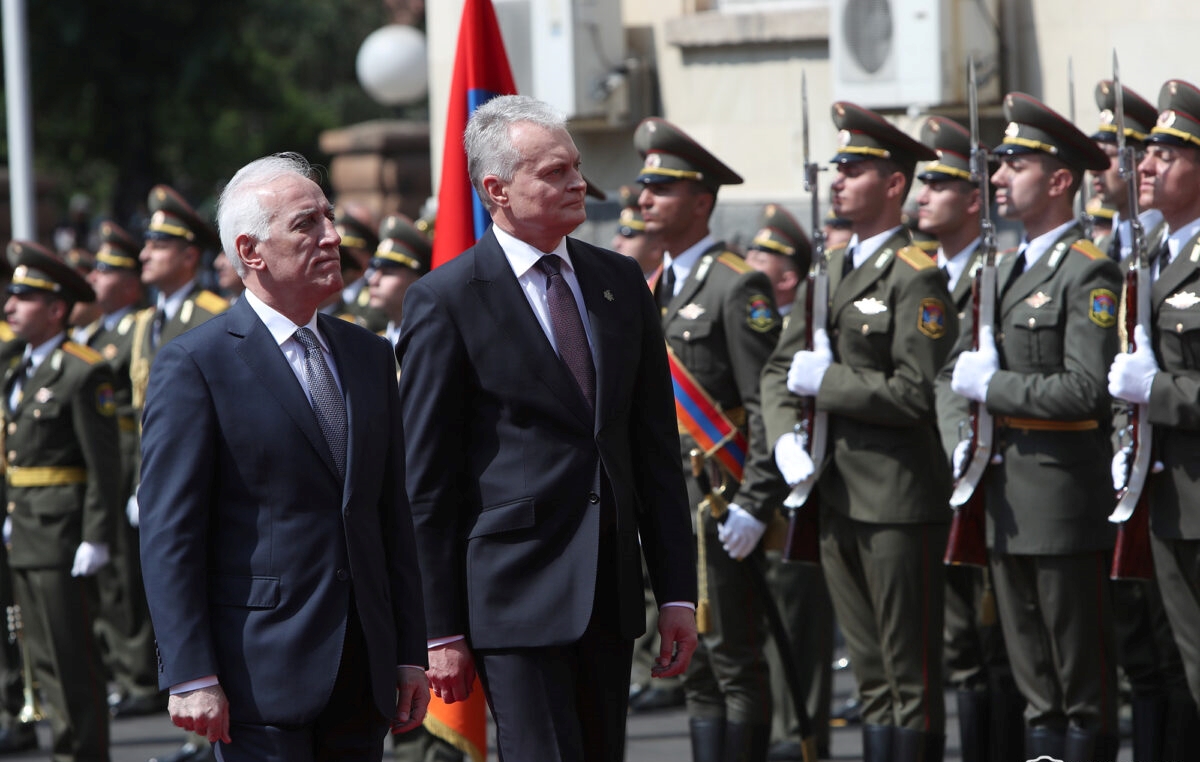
[343, 575]
[1032, 322]
[687, 335]
[593, 498]
[11, 506]
[12, 455]
[866, 329]
[1179, 328]
[37, 413]
[12, 428]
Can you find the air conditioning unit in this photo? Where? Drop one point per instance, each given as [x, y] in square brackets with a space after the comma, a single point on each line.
[565, 52]
[889, 54]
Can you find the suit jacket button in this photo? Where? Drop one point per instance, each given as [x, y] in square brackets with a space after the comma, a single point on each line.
[343, 575]
[593, 498]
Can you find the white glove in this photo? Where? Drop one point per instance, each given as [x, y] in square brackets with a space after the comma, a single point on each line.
[962, 451]
[1132, 373]
[7, 529]
[89, 557]
[809, 366]
[794, 463]
[1120, 469]
[974, 370]
[131, 510]
[740, 532]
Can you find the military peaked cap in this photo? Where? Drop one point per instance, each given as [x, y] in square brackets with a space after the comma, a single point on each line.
[1178, 120]
[630, 222]
[779, 233]
[172, 217]
[1033, 127]
[863, 134]
[118, 249]
[355, 233]
[36, 268]
[1139, 114]
[952, 144]
[401, 244]
[669, 154]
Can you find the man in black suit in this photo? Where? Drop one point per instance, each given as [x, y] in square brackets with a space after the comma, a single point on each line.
[276, 538]
[542, 444]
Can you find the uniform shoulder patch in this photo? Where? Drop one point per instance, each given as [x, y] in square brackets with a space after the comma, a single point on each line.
[1103, 307]
[1087, 249]
[734, 262]
[87, 354]
[915, 258]
[761, 314]
[210, 302]
[106, 401]
[6, 332]
[931, 320]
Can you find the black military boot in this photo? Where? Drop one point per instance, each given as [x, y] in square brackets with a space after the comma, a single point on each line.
[745, 742]
[878, 741]
[1007, 731]
[1081, 744]
[1049, 741]
[1149, 722]
[974, 725]
[909, 745]
[708, 738]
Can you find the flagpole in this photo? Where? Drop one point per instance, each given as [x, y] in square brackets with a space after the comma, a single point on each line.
[20, 121]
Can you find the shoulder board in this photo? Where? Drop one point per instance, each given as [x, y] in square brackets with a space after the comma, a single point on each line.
[210, 302]
[87, 354]
[348, 318]
[915, 258]
[734, 262]
[126, 323]
[6, 332]
[1087, 249]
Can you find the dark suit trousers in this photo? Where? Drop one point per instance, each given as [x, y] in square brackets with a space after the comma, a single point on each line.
[349, 729]
[564, 703]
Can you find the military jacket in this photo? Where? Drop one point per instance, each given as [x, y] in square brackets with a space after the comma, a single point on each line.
[1175, 396]
[890, 327]
[1056, 337]
[199, 306]
[361, 312]
[115, 345]
[61, 458]
[722, 326]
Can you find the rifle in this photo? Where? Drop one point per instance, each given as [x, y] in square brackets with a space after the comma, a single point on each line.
[1084, 217]
[812, 426]
[714, 501]
[1131, 557]
[967, 543]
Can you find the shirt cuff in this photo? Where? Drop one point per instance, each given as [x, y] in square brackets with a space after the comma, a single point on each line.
[435, 642]
[681, 604]
[194, 685]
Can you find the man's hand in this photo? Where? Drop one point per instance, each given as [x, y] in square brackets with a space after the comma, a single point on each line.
[808, 367]
[90, 557]
[740, 532]
[677, 631]
[974, 370]
[412, 699]
[1132, 373]
[204, 711]
[451, 671]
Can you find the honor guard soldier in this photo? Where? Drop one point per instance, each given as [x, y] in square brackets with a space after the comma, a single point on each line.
[1040, 371]
[1164, 373]
[781, 251]
[62, 478]
[360, 237]
[1108, 185]
[175, 241]
[990, 708]
[721, 323]
[403, 255]
[631, 239]
[882, 495]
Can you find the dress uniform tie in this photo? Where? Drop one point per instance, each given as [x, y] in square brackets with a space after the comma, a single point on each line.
[327, 400]
[1163, 256]
[945, 273]
[567, 325]
[848, 262]
[19, 377]
[666, 287]
[156, 327]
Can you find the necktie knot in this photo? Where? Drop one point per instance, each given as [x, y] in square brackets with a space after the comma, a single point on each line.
[550, 264]
[308, 340]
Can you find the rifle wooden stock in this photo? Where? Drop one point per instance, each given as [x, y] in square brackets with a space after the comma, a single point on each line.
[967, 543]
[800, 544]
[1131, 556]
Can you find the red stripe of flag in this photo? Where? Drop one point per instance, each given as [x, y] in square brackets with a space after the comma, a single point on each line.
[481, 72]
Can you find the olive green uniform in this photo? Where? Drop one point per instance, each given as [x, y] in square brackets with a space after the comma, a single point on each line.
[722, 325]
[883, 493]
[1049, 499]
[63, 471]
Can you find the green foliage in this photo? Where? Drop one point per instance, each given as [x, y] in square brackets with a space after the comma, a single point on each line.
[130, 93]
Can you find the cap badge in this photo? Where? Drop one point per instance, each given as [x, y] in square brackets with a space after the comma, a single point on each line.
[1012, 130]
[1173, 87]
[843, 138]
[653, 160]
[1166, 118]
[1106, 117]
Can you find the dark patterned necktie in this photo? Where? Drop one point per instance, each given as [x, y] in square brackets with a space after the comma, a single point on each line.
[569, 335]
[327, 400]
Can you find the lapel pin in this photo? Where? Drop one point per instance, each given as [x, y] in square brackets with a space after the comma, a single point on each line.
[608, 295]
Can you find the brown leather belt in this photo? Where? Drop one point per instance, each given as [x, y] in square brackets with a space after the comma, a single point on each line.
[1041, 424]
[45, 476]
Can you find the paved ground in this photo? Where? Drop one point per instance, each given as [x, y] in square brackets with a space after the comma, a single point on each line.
[657, 737]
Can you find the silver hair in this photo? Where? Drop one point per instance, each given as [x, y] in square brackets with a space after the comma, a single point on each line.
[240, 212]
[488, 142]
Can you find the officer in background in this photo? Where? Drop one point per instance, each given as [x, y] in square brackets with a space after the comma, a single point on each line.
[1164, 373]
[62, 476]
[782, 251]
[883, 492]
[632, 241]
[1041, 373]
[990, 708]
[403, 256]
[174, 243]
[356, 225]
[720, 322]
[123, 624]
[1107, 184]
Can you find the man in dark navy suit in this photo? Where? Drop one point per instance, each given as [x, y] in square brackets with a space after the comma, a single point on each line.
[276, 538]
[541, 442]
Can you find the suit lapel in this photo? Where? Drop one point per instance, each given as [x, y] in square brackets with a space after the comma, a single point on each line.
[497, 288]
[600, 301]
[356, 390]
[257, 348]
